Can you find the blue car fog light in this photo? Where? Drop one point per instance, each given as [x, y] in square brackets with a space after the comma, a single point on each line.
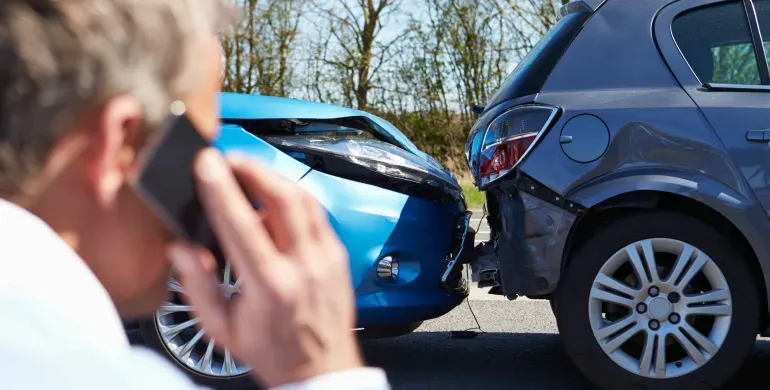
[387, 269]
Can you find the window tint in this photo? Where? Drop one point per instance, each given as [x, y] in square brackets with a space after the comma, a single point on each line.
[716, 41]
[532, 72]
[763, 14]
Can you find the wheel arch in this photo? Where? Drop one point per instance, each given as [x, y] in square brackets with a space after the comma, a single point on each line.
[727, 210]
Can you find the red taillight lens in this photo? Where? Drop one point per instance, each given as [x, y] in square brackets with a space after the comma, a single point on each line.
[508, 139]
[499, 159]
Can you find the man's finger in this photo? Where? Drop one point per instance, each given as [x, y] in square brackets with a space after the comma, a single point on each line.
[241, 235]
[319, 219]
[287, 215]
[201, 288]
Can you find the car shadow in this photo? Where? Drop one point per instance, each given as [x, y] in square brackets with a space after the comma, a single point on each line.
[434, 360]
[755, 373]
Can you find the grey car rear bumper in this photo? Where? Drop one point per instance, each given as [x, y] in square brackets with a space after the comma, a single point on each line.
[531, 234]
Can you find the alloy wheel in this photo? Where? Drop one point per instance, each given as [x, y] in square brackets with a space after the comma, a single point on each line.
[660, 308]
[177, 327]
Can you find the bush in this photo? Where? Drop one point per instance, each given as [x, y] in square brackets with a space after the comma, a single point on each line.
[441, 136]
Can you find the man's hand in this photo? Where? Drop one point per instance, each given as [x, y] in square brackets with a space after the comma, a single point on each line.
[294, 316]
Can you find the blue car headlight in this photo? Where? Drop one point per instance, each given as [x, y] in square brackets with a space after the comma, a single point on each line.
[371, 161]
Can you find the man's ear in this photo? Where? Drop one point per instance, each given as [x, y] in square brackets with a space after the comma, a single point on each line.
[111, 152]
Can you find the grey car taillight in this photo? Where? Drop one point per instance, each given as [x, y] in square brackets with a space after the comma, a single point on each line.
[509, 137]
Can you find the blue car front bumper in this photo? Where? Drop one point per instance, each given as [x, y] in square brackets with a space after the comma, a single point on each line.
[374, 222]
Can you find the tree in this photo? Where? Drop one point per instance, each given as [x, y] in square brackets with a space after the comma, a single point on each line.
[258, 52]
[357, 56]
[528, 20]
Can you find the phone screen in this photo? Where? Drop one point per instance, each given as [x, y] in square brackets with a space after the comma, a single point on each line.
[167, 181]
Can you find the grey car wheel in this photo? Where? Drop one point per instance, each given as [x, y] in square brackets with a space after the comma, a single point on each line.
[662, 308]
[658, 300]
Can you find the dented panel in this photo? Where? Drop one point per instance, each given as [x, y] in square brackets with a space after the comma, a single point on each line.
[532, 235]
[260, 107]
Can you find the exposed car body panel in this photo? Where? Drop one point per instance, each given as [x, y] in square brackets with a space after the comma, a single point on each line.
[534, 233]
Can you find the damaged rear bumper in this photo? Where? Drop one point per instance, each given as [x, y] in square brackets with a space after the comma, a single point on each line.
[530, 228]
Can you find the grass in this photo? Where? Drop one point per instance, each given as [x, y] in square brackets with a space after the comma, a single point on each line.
[473, 196]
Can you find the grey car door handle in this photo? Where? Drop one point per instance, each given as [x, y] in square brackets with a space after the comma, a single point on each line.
[758, 135]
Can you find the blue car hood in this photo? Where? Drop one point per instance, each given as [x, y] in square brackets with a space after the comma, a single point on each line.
[234, 106]
[241, 106]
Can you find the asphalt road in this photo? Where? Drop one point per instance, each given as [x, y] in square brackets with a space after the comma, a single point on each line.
[518, 349]
[482, 228]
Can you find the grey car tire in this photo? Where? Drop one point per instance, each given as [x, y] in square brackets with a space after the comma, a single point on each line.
[577, 293]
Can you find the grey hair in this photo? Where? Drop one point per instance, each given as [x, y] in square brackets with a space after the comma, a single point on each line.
[59, 58]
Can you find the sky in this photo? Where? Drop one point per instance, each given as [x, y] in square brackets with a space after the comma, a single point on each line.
[392, 27]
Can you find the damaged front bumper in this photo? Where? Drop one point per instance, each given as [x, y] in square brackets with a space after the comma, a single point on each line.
[529, 226]
[452, 278]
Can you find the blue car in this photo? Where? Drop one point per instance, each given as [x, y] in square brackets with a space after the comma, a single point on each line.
[400, 214]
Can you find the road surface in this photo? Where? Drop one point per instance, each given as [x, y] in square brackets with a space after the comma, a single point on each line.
[519, 349]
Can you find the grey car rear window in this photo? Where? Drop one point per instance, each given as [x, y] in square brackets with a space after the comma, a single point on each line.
[716, 42]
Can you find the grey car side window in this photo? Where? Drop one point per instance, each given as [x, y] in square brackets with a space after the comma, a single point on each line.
[716, 41]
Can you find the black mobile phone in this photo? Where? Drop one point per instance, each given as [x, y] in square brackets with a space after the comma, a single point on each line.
[167, 182]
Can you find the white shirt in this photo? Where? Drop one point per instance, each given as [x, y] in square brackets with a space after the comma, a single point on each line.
[60, 330]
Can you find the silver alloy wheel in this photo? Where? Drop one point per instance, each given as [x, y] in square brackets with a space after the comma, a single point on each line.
[177, 327]
[660, 308]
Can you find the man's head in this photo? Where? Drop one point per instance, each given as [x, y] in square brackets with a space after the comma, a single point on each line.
[84, 84]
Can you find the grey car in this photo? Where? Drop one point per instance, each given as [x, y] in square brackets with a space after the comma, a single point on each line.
[626, 164]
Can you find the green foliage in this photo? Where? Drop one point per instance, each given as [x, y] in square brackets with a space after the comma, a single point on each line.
[473, 196]
[443, 138]
[735, 64]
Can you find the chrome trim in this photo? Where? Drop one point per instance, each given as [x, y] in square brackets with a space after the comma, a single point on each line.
[540, 133]
[514, 138]
[387, 268]
[736, 87]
